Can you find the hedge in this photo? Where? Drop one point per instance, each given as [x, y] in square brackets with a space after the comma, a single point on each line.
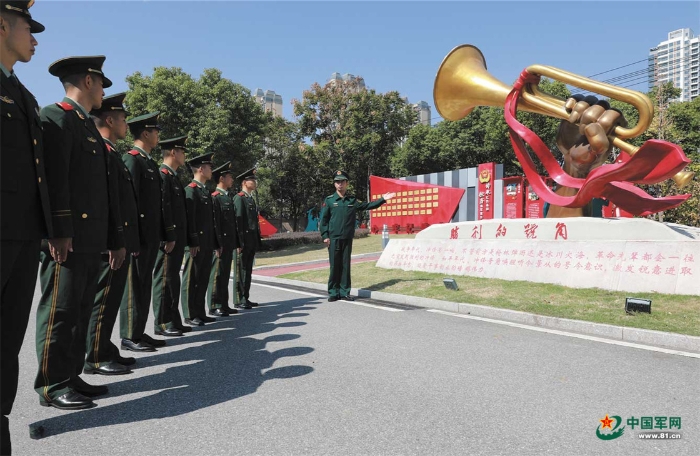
[281, 240]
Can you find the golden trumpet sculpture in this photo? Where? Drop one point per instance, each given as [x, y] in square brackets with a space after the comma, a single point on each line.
[463, 83]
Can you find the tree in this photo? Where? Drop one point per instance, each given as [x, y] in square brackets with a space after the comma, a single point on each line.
[352, 128]
[217, 114]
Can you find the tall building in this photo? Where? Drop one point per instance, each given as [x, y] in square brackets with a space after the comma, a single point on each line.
[336, 78]
[677, 60]
[423, 110]
[269, 101]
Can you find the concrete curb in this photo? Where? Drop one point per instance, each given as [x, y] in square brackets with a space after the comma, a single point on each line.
[632, 335]
[286, 265]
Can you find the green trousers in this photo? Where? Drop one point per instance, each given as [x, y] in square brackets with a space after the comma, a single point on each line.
[247, 259]
[166, 288]
[110, 288]
[219, 280]
[195, 282]
[67, 297]
[339, 252]
[136, 299]
[19, 264]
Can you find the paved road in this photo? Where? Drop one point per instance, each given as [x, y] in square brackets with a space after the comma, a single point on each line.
[299, 375]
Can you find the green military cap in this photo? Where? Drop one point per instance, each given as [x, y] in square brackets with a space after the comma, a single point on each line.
[168, 144]
[221, 170]
[82, 64]
[248, 175]
[144, 122]
[22, 9]
[110, 104]
[340, 176]
[205, 159]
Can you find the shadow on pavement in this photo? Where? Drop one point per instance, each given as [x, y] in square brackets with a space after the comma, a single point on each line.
[227, 363]
[388, 283]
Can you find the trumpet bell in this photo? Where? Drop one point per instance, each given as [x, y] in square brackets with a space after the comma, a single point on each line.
[683, 178]
[463, 83]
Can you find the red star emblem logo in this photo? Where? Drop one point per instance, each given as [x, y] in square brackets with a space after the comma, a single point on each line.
[607, 422]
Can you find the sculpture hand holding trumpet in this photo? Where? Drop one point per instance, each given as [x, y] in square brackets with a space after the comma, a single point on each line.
[462, 83]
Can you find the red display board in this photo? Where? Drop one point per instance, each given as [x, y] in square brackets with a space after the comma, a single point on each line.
[534, 205]
[485, 175]
[266, 228]
[416, 204]
[513, 197]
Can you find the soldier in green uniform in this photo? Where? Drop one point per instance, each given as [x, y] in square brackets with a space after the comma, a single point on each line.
[155, 227]
[198, 268]
[86, 223]
[248, 233]
[338, 215]
[102, 355]
[221, 268]
[26, 216]
[166, 279]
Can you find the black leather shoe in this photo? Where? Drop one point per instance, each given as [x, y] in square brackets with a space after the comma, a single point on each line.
[69, 401]
[194, 322]
[84, 388]
[347, 298]
[253, 304]
[218, 313]
[243, 306]
[206, 319]
[170, 332]
[126, 360]
[140, 346]
[332, 298]
[230, 310]
[107, 369]
[184, 329]
[153, 342]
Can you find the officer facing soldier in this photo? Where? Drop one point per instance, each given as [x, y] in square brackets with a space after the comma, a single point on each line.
[338, 216]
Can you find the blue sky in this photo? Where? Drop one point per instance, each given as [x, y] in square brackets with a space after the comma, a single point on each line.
[287, 46]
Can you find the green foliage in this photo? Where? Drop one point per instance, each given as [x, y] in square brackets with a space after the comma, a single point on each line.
[217, 114]
[281, 240]
[351, 128]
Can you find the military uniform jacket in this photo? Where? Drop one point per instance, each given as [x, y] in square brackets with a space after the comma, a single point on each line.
[200, 204]
[183, 220]
[155, 217]
[223, 207]
[338, 215]
[83, 206]
[26, 213]
[247, 221]
[128, 207]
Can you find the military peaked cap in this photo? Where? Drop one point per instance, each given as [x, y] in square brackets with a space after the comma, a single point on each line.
[110, 104]
[169, 144]
[250, 174]
[222, 170]
[205, 159]
[144, 122]
[91, 64]
[22, 9]
[340, 176]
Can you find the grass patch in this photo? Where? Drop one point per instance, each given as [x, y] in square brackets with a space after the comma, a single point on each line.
[310, 252]
[670, 313]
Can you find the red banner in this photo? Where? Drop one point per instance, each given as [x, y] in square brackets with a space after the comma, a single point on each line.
[415, 205]
[611, 210]
[513, 197]
[266, 228]
[485, 176]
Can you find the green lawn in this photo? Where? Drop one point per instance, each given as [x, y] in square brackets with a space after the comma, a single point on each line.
[671, 313]
[310, 252]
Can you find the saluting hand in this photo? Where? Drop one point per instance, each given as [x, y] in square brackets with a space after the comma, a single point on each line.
[389, 195]
[59, 248]
[116, 258]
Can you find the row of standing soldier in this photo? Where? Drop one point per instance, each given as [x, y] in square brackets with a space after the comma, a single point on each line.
[100, 228]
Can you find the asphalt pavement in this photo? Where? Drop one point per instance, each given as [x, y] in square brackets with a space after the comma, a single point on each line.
[299, 375]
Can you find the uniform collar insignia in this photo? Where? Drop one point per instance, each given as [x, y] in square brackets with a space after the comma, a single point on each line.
[80, 114]
[7, 99]
[91, 139]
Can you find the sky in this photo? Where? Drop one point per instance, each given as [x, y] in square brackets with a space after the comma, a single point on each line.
[287, 46]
